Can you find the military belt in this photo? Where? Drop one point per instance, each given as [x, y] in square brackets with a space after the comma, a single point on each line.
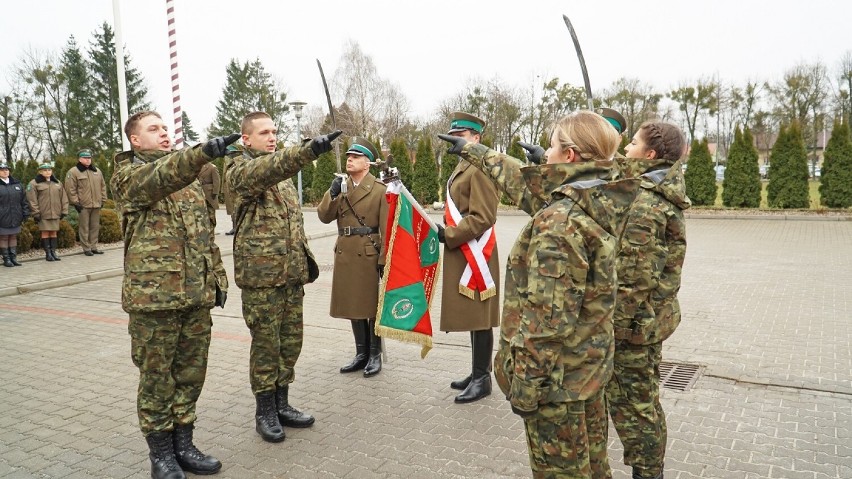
[349, 231]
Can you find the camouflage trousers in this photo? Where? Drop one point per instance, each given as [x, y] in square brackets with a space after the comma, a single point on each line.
[274, 318]
[568, 441]
[170, 350]
[633, 397]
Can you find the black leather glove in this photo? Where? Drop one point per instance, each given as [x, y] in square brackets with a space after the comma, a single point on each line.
[380, 268]
[36, 218]
[457, 142]
[78, 207]
[335, 186]
[221, 297]
[441, 235]
[218, 147]
[535, 153]
[322, 143]
[62, 216]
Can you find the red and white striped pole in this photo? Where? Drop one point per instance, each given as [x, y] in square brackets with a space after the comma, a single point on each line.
[170, 13]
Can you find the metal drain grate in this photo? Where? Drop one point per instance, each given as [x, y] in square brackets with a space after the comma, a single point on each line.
[679, 376]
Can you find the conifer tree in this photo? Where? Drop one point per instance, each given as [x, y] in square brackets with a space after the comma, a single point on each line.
[836, 177]
[189, 133]
[402, 160]
[102, 64]
[80, 107]
[322, 175]
[700, 178]
[788, 176]
[248, 88]
[425, 184]
[448, 165]
[741, 187]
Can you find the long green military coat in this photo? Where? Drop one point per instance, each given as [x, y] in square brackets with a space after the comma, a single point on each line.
[270, 246]
[171, 261]
[355, 286]
[556, 338]
[476, 198]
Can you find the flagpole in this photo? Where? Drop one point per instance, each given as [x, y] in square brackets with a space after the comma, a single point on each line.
[119, 62]
[170, 14]
[404, 191]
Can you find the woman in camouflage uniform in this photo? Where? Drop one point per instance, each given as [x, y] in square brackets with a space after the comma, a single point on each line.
[556, 340]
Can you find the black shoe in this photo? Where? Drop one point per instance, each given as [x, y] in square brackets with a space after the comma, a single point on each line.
[461, 384]
[360, 329]
[13, 255]
[53, 246]
[266, 418]
[161, 452]
[482, 343]
[638, 475]
[88, 253]
[230, 233]
[287, 414]
[374, 363]
[189, 457]
[7, 258]
[97, 251]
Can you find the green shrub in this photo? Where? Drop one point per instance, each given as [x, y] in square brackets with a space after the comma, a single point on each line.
[742, 177]
[66, 237]
[109, 204]
[35, 234]
[700, 177]
[110, 227]
[788, 175]
[25, 240]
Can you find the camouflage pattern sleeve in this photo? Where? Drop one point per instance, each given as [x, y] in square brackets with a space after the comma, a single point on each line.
[676, 244]
[138, 186]
[250, 179]
[508, 173]
[558, 268]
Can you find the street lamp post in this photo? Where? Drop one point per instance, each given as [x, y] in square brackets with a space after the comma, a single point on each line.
[297, 111]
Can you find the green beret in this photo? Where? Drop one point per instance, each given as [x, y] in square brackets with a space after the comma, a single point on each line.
[461, 121]
[362, 146]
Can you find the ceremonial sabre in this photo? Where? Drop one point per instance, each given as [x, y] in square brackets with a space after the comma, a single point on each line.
[589, 97]
[333, 121]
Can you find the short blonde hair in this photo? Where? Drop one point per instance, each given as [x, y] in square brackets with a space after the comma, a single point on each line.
[588, 134]
[246, 126]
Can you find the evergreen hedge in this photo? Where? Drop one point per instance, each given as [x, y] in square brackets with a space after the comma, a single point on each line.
[788, 175]
[741, 187]
[836, 177]
[700, 177]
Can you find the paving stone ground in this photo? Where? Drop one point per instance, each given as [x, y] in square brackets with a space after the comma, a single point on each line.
[766, 315]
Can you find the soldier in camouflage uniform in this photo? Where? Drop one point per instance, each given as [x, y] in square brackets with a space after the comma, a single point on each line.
[173, 276]
[647, 311]
[272, 263]
[556, 340]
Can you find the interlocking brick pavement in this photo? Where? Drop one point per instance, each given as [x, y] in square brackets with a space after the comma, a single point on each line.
[766, 313]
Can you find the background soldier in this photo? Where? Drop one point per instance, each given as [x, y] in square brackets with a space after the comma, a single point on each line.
[359, 253]
[226, 189]
[209, 178]
[647, 311]
[272, 263]
[86, 189]
[14, 210]
[173, 276]
[474, 197]
[48, 205]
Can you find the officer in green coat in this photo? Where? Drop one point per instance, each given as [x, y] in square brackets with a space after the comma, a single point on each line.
[272, 263]
[173, 276]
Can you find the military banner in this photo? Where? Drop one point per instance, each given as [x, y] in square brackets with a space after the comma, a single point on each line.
[411, 270]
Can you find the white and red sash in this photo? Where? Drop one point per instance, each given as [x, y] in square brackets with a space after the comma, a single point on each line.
[477, 252]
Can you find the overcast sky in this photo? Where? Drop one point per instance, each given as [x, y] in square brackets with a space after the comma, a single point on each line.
[431, 49]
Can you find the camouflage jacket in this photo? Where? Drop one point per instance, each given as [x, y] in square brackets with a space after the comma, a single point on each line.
[556, 339]
[171, 261]
[651, 255]
[270, 246]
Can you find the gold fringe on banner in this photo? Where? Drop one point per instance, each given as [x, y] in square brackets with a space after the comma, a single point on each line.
[406, 336]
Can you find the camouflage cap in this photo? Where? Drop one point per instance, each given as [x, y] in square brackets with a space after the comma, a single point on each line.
[362, 146]
[45, 166]
[84, 154]
[614, 118]
[4, 166]
[460, 121]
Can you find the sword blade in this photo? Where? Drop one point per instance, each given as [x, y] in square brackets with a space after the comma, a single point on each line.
[330, 112]
[589, 97]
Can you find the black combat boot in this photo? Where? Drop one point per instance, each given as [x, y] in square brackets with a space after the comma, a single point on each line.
[480, 381]
[162, 455]
[7, 259]
[360, 329]
[189, 457]
[45, 244]
[461, 384]
[287, 414]
[13, 255]
[53, 242]
[266, 419]
[374, 364]
[638, 475]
